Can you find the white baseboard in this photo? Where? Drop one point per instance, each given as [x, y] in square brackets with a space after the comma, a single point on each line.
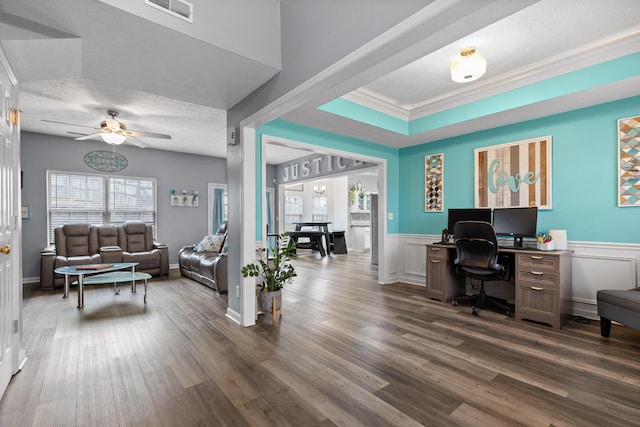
[234, 316]
[587, 309]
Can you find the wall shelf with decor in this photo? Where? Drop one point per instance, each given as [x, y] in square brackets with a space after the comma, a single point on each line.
[184, 198]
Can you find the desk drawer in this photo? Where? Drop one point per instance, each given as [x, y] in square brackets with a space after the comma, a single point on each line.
[538, 304]
[537, 277]
[537, 262]
[436, 252]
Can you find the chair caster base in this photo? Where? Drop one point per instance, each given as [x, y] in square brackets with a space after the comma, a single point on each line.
[475, 311]
[454, 303]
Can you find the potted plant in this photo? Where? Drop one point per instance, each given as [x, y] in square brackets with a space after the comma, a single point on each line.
[274, 272]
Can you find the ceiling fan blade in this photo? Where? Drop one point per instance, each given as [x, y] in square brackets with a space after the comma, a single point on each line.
[147, 134]
[69, 124]
[135, 141]
[82, 138]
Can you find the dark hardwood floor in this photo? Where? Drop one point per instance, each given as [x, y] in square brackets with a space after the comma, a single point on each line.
[346, 352]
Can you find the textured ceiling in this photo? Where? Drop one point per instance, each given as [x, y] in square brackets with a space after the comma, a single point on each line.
[77, 59]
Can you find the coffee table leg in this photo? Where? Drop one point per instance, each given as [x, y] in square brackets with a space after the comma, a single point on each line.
[116, 290]
[145, 291]
[80, 291]
[66, 286]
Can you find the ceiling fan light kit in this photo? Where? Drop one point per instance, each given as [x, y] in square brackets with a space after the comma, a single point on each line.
[114, 132]
[113, 138]
[469, 67]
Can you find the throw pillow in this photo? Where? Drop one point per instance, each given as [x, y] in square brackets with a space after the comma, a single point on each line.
[211, 243]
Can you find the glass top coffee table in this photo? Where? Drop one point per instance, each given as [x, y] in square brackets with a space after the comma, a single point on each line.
[101, 274]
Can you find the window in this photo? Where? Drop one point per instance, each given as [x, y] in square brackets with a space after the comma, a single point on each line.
[218, 206]
[293, 210]
[98, 200]
[319, 209]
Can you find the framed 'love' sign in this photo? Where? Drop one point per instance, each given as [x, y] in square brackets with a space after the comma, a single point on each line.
[515, 174]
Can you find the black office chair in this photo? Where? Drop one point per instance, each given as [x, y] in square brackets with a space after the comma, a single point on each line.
[477, 257]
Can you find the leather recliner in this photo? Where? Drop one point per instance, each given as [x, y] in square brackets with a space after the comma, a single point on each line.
[136, 241]
[208, 268]
[82, 244]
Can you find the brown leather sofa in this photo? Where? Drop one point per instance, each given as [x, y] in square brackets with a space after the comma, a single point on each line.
[81, 244]
[208, 268]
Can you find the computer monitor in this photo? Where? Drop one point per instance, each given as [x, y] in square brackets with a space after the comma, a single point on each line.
[468, 214]
[516, 222]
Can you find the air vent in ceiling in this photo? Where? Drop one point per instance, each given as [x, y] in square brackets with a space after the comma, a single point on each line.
[177, 8]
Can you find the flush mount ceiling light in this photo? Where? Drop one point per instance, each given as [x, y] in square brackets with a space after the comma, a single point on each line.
[113, 138]
[469, 67]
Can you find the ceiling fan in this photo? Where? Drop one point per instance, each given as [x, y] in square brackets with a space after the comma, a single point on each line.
[114, 132]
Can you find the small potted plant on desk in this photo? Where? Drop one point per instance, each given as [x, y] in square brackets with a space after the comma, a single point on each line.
[274, 272]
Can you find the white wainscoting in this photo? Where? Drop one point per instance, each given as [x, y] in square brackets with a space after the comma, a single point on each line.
[391, 256]
[595, 265]
[410, 257]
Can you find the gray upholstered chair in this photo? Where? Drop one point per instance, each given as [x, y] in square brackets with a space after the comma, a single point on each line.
[620, 305]
[136, 241]
[208, 268]
[75, 244]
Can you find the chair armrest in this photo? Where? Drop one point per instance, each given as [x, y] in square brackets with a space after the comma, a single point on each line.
[47, 265]
[220, 273]
[111, 254]
[164, 257]
[48, 250]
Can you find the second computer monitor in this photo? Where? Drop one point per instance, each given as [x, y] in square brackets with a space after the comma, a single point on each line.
[516, 222]
[468, 214]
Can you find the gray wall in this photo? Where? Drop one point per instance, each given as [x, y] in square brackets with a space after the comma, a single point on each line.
[177, 226]
[316, 34]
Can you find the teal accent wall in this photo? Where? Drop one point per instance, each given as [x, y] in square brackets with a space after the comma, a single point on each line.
[584, 174]
[367, 115]
[295, 132]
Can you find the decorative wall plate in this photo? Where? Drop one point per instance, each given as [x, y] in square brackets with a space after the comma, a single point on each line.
[105, 161]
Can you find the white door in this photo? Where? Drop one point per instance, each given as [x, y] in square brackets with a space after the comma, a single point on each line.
[10, 227]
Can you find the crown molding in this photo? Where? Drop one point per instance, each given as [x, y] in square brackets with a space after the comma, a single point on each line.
[378, 102]
[616, 46]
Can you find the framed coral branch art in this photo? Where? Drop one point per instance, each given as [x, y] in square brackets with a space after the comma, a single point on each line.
[434, 183]
[515, 174]
[629, 161]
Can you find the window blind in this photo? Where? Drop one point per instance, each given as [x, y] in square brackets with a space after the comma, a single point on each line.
[98, 200]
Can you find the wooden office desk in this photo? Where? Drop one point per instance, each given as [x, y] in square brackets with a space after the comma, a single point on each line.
[542, 281]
